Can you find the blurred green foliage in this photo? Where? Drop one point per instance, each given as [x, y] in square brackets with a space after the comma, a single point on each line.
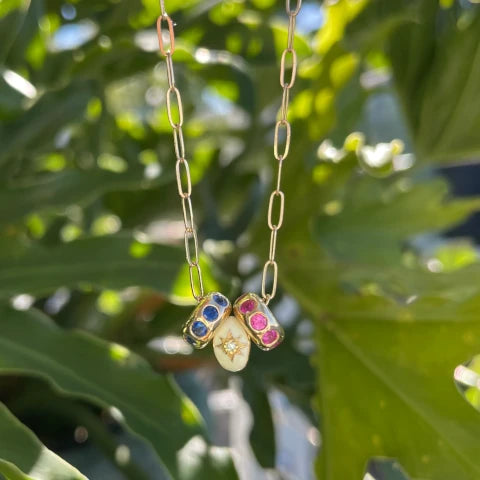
[90, 237]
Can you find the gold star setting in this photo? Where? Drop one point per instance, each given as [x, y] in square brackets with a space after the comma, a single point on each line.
[231, 346]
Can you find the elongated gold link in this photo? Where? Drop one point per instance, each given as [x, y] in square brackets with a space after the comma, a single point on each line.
[293, 13]
[284, 105]
[182, 169]
[282, 135]
[162, 8]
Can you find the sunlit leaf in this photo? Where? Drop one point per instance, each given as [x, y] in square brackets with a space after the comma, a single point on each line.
[437, 86]
[37, 128]
[104, 262]
[23, 457]
[12, 14]
[108, 375]
[58, 191]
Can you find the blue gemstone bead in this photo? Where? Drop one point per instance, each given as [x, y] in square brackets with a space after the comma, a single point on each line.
[210, 313]
[199, 329]
[190, 340]
[220, 299]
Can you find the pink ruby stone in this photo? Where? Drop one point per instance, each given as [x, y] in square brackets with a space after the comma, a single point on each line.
[269, 337]
[248, 306]
[276, 344]
[258, 321]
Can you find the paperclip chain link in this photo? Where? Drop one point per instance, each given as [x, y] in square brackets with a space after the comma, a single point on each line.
[276, 204]
[184, 183]
[182, 169]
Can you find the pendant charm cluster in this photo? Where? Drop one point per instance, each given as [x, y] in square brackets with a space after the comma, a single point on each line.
[252, 320]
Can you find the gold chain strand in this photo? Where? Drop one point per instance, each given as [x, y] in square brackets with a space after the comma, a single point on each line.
[182, 169]
[270, 268]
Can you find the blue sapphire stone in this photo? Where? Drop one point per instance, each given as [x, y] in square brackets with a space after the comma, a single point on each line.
[190, 340]
[220, 299]
[210, 313]
[199, 329]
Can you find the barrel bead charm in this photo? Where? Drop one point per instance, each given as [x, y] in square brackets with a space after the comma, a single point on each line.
[207, 316]
[259, 321]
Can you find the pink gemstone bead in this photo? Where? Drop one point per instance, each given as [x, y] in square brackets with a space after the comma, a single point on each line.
[258, 321]
[269, 337]
[248, 306]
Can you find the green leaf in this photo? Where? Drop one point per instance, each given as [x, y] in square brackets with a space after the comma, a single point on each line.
[12, 14]
[376, 23]
[11, 100]
[382, 217]
[405, 373]
[106, 374]
[112, 262]
[60, 190]
[438, 86]
[386, 365]
[339, 15]
[427, 47]
[24, 457]
[37, 128]
[389, 332]
[262, 436]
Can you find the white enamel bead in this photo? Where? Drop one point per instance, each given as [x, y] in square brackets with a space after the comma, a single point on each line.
[231, 345]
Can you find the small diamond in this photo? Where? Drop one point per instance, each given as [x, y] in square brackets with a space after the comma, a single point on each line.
[248, 306]
[220, 299]
[231, 346]
[210, 313]
[269, 337]
[199, 329]
[258, 321]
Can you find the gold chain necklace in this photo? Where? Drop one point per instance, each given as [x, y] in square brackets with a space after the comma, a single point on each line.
[252, 319]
